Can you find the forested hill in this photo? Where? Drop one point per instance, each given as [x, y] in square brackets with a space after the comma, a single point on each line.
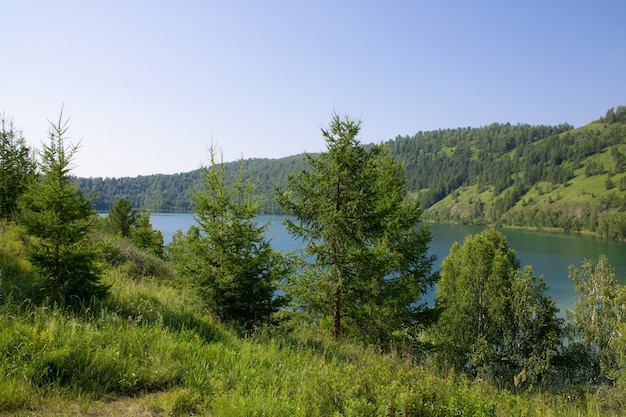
[502, 174]
[173, 193]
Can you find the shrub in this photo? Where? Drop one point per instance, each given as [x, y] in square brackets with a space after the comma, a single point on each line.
[137, 263]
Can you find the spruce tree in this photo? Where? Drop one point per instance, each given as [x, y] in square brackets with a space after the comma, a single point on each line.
[59, 219]
[17, 167]
[146, 237]
[121, 217]
[227, 255]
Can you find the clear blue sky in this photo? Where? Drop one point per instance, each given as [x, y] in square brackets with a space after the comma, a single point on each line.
[149, 84]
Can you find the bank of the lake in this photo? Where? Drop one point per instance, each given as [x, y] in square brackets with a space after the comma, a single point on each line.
[549, 253]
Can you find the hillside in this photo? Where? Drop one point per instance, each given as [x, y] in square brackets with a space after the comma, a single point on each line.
[553, 177]
[150, 349]
[173, 193]
[571, 180]
[97, 318]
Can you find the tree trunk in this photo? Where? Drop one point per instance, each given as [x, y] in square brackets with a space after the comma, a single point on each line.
[336, 295]
[335, 271]
[337, 310]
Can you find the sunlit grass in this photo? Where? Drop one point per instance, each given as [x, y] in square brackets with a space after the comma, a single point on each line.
[151, 349]
[51, 358]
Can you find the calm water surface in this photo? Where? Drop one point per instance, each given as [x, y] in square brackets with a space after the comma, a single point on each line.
[550, 254]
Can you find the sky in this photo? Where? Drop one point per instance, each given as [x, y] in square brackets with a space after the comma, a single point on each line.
[147, 86]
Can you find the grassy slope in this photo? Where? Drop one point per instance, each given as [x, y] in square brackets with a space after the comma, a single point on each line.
[544, 195]
[149, 350]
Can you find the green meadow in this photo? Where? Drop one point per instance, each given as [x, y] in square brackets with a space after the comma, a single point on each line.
[150, 350]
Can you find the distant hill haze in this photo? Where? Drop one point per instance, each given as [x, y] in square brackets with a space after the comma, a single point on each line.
[548, 177]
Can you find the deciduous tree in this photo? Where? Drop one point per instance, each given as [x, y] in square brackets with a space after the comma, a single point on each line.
[538, 330]
[599, 315]
[497, 321]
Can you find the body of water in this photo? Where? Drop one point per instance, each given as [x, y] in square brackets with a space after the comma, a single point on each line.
[550, 254]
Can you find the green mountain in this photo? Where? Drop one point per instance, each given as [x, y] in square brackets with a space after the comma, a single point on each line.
[551, 177]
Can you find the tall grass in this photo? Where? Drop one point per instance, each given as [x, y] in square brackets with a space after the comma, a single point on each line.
[17, 278]
[47, 353]
[151, 342]
[51, 350]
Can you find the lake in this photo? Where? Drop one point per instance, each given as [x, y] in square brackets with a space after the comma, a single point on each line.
[550, 254]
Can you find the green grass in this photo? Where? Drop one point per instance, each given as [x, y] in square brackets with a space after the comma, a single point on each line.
[49, 356]
[150, 350]
[108, 366]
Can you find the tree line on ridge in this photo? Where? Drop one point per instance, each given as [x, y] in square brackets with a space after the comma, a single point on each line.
[553, 177]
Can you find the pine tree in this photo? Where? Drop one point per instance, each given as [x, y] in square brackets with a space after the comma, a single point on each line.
[121, 217]
[370, 265]
[17, 167]
[59, 219]
[227, 255]
[144, 236]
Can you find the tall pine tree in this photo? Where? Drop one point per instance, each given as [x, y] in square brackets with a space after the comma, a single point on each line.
[121, 217]
[368, 248]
